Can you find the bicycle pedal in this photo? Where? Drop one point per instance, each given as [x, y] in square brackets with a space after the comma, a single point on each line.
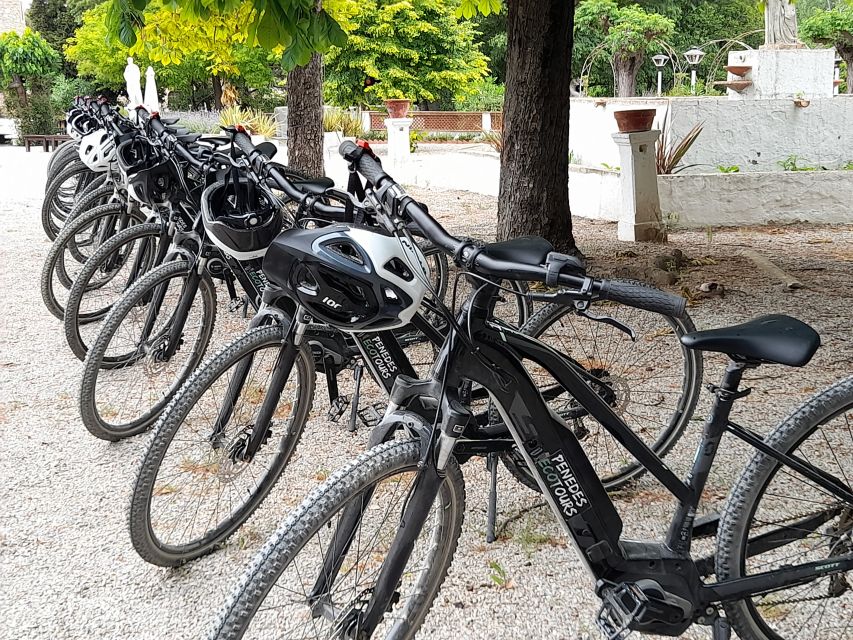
[338, 408]
[372, 414]
[237, 303]
[622, 604]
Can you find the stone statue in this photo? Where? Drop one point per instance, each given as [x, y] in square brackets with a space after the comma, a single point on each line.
[780, 24]
[133, 78]
[152, 102]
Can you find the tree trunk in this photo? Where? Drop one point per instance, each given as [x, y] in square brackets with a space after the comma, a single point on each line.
[217, 92]
[305, 117]
[846, 54]
[625, 75]
[20, 89]
[534, 184]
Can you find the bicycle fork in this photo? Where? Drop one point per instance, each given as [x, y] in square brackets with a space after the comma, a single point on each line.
[431, 473]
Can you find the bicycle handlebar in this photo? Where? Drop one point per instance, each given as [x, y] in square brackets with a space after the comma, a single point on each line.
[465, 253]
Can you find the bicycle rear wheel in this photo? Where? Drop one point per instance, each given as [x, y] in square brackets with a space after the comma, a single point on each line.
[807, 523]
[192, 489]
[272, 597]
[653, 383]
[129, 376]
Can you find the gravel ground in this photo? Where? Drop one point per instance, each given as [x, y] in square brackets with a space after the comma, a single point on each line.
[69, 570]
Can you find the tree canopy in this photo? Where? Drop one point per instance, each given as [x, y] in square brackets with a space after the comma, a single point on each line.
[26, 55]
[416, 49]
[184, 53]
[626, 34]
[833, 28]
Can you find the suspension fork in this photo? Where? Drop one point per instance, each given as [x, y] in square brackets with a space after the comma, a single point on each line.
[280, 374]
[431, 473]
[235, 386]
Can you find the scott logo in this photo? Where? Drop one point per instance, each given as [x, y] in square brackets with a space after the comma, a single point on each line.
[331, 303]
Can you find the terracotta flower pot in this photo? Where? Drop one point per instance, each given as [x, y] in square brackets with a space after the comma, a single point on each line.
[398, 108]
[633, 120]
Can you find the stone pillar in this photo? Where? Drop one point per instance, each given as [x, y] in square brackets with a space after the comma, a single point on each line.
[365, 121]
[487, 121]
[280, 115]
[639, 220]
[398, 144]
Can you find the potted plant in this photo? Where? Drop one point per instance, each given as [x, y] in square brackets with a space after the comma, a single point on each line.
[801, 101]
[397, 107]
[633, 120]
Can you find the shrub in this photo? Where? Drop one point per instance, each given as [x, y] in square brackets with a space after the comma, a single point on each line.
[335, 119]
[64, 91]
[37, 117]
[257, 123]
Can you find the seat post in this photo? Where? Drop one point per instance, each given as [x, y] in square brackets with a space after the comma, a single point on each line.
[681, 527]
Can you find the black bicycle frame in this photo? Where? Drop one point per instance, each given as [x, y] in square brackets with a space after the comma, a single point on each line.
[568, 481]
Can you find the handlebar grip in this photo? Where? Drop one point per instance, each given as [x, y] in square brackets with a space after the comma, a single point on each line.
[244, 143]
[368, 166]
[643, 296]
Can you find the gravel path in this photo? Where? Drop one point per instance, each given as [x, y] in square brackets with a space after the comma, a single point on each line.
[67, 566]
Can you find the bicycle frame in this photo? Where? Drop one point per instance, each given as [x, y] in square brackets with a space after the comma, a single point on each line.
[570, 485]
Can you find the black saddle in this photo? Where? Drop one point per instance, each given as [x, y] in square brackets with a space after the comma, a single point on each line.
[525, 249]
[314, 186]
[774, 339]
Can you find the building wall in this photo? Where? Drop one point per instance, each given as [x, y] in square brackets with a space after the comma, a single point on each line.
[755, 135]
[11, 16]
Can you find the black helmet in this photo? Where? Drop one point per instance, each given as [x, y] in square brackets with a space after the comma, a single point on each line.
[352, 278]
[150, 175]
[240, 218]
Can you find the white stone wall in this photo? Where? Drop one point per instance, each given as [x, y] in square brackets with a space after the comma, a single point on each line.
[737, 199]
[754, 135]
[757, 134]
[11, 16]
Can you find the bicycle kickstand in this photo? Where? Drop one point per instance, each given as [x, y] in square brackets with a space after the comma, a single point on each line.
[721, 629]
[491, 513]
[357, 372]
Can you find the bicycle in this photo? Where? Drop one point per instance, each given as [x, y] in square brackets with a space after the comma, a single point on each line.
[389, 585]
[252, 396]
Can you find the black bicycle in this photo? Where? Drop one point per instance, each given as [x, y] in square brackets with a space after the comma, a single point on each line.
[193, 491]
[367, 551]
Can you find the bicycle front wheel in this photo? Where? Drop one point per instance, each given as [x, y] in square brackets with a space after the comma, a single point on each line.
[111, 270]
[652, 381]
[315, 575]
[137, 363]
[778, 517]
[193, 489]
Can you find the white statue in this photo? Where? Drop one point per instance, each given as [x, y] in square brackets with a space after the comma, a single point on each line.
[133, 78]
[152, 102]
[780, 23]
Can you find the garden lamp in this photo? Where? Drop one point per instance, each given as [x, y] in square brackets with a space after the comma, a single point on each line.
[660, 61]
[694, 57]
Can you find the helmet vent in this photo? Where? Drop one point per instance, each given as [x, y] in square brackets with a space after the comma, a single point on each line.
[399, 269]
[346, 250]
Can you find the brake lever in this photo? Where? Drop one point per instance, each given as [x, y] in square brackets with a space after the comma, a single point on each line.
[613, 322]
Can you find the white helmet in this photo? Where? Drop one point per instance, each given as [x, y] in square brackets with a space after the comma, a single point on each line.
[352, 278]
[98, 150]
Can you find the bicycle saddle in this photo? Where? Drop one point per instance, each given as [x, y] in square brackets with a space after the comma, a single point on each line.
[531, 250]
[314, 186]
[773, 339]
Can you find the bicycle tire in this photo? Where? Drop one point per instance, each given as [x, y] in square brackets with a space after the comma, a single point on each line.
[52, 215]
[691, 386]
[64, 155]
[753, 485]
[320, 508]
[97, 361]
[190, 396]
[73, 319]
[54, 264]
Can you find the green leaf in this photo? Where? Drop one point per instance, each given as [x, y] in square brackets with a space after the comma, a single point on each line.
[268, 31]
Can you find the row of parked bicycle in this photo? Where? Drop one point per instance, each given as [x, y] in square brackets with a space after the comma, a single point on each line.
[151, 224]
